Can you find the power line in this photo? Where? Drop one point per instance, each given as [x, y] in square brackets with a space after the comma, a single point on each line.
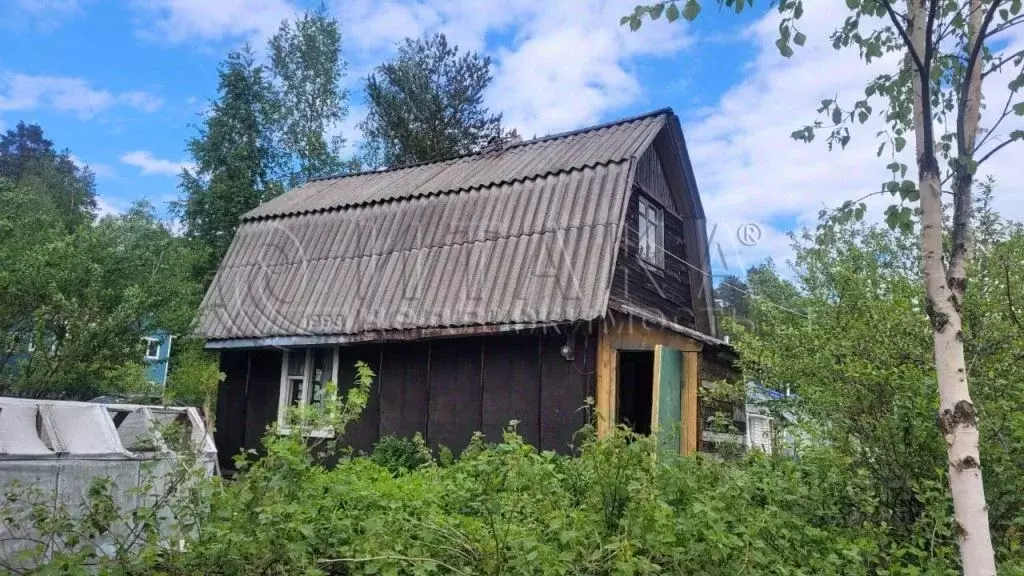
[733, 286]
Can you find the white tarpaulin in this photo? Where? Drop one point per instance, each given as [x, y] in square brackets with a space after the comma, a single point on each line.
[57, 449]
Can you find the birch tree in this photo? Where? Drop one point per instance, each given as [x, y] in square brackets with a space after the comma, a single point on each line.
[950, 53]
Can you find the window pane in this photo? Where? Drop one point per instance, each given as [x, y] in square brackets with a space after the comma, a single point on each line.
[294, 391]
[297, 362]
[650, 233]
[323, 370]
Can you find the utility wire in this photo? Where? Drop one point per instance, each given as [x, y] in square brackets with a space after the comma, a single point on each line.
[733, 286]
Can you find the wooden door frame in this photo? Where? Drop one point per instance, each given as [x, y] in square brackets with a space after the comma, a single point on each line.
[635, 335]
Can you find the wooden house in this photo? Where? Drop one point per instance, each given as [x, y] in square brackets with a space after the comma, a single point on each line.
[509, 284]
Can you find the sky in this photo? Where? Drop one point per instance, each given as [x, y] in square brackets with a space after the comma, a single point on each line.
[123, 85]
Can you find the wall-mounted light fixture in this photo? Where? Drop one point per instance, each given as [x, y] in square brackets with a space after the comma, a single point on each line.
[566, 350]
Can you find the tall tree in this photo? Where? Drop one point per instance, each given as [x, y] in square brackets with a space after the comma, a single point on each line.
[427, 104]
[731, 299]
[306, 60]
[853, 348]
[239, 161]
[75, 305]
[948, 51]
[29, 159]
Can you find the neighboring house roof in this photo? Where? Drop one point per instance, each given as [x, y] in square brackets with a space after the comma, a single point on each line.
[520, 236]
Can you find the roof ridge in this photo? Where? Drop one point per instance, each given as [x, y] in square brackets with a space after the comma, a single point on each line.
[525, 143]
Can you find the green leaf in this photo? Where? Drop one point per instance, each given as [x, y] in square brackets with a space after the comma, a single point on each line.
[1018, 108]
[799, 38]
[899, 143]
[656, 10]
[1017, 135]
[853, 4]
[691, 10]
[634, 23]
[837, 115]
[672, 12]
[893, 167]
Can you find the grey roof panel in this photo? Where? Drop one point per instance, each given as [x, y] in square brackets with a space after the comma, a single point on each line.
[536, 158]
[524, 236]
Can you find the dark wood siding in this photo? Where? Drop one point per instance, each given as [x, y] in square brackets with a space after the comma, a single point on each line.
[229, 433]
[665, 291]
[404, 393]
[455, 392]
[263, 394]
[565, 386]
[650, 177]
[445, 389]
[511, 386]
[363, 433]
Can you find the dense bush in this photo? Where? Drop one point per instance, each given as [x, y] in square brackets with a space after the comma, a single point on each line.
[508, 509]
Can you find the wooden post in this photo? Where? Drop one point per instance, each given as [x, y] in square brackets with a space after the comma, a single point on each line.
[607, 384]
[691, 381]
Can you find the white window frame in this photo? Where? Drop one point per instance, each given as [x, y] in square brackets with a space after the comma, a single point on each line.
[767, 445]
[650, 215]
[31, 346]
[149, 342]
[284, 401]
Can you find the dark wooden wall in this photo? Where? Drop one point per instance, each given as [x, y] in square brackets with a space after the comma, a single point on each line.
[665, 291]
[445, 389]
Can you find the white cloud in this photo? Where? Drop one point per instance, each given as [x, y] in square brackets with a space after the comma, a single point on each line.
[565, 63]
[19, 92]
[44, 15]
[750, 170]
[141, 100]
[64, 94]
[100, 170]
[149, 164]
[178, 21]
[108, 207]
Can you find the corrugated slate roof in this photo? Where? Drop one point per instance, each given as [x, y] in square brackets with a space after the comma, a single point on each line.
[523, 235]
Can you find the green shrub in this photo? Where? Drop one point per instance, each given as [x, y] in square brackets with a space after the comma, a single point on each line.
[400, 455]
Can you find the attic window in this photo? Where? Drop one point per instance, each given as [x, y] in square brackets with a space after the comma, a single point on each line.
[651, 233]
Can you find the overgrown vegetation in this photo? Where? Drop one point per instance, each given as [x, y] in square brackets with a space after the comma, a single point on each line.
[77, 292]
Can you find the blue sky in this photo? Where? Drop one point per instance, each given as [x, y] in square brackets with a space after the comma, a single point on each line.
[147, 90]
[123, 83]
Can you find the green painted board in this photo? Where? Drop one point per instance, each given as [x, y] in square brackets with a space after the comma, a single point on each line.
[670, 399]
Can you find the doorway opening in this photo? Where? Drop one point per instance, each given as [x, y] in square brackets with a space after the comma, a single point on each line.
[636, 386]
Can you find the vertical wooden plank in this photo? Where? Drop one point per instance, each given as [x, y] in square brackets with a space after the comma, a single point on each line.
[563, 390]
[669, 372]
[691, 381]
[263, 394]
[604, 385]
[656, 389]
[455, 395]
[363, 433]
[229, 431]
[511, 386]
[403, 389]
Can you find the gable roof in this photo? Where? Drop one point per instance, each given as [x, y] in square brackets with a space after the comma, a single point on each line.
[526, 235]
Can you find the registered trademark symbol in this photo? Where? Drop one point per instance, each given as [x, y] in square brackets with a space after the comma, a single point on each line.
[748, 234]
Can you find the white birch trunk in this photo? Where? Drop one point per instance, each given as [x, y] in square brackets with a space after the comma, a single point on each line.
[957, 418]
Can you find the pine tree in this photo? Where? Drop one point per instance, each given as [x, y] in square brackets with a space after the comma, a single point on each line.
[427, 104]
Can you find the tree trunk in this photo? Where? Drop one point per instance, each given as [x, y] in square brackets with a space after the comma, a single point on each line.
[957, 418]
